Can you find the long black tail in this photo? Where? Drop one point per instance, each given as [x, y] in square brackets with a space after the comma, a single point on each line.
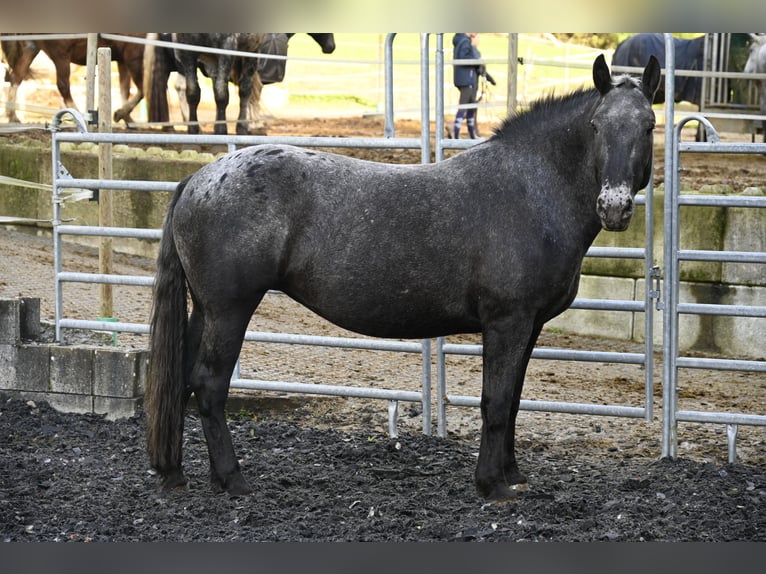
[157, 68]
[165, 397]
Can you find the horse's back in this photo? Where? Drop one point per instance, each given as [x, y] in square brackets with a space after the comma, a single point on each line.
[376, 248]
[386, 250]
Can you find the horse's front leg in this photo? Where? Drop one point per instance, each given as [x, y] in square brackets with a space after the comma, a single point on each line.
[508, 344]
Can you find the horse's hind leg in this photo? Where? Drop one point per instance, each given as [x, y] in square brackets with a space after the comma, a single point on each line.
[63, 71]
[220, 342]
[247, 86]
[18, 71]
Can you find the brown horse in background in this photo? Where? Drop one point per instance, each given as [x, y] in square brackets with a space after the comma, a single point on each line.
[19, 55]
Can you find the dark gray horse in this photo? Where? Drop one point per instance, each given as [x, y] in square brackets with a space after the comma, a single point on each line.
[218, 67]
[160, 62]
[490, 241]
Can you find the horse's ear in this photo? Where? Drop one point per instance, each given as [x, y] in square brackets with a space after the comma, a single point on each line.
[601, 76]
[651, 78]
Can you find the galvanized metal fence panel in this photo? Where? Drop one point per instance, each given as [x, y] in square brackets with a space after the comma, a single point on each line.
[673, 307]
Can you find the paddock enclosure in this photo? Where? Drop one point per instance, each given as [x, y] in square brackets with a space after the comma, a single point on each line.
[428, 388]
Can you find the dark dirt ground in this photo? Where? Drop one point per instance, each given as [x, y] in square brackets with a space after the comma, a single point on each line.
[81, 478]
[325, 469]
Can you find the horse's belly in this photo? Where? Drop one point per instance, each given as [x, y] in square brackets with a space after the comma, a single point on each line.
[403, 317]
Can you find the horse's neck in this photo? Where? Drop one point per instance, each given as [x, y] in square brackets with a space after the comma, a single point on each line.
[562, 152]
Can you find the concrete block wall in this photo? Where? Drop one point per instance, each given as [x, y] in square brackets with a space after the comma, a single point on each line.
[726, 335]
[81, 379]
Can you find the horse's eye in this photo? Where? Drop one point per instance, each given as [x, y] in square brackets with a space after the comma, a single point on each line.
[594, 126]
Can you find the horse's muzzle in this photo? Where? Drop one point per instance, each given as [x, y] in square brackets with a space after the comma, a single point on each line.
[614, 207]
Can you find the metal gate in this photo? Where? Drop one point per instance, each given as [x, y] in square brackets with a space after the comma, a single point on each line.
[675, 254]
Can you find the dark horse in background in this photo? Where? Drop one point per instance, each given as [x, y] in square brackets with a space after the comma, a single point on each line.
[19, 55]
[489, 241]
[689, 55]
[636, 50]
[247, 73]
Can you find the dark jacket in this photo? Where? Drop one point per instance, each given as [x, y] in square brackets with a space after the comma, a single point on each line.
[463, 50]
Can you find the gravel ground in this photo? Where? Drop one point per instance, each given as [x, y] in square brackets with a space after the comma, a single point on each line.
[82, 478]
[325, 469]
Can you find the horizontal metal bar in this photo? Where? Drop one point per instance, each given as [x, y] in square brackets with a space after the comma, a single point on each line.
[561, 354]
[608, 305]
[617, 252]
[209, 139]
[324, 341]
[330, 390]
[722, 200]
[110, 231]
[723, 418]
[106, 279]
[111, 326]
[721, 364]
[722, 147]
[556, 407]
[724, 310]
[728, 256]
[118, 184]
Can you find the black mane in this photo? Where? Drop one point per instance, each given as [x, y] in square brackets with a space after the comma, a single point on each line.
[553, 106]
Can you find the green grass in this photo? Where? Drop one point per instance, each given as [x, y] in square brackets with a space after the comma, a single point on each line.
[354, 73]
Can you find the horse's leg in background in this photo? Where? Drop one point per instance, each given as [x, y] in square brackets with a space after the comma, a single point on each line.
[123, 113]
[63, 70]
[508, 344]
[11, 99]
[131, 68]
[156, 66]
[20, 56]
[221, 93]
[180, 85]
[188, 65]
[221, 336]
[255, 124]
[763, 107]
[247, 79]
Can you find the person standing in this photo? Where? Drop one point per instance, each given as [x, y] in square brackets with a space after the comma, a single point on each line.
[466, 80]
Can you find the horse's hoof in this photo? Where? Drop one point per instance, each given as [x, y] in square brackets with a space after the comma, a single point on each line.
[235, 485]
[515, 478]
[174, 481]
[501, 493]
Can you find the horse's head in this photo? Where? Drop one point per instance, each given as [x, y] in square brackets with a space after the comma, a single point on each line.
[623, 125]
[756, 59]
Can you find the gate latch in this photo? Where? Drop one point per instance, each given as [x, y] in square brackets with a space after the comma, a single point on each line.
[655, 276]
